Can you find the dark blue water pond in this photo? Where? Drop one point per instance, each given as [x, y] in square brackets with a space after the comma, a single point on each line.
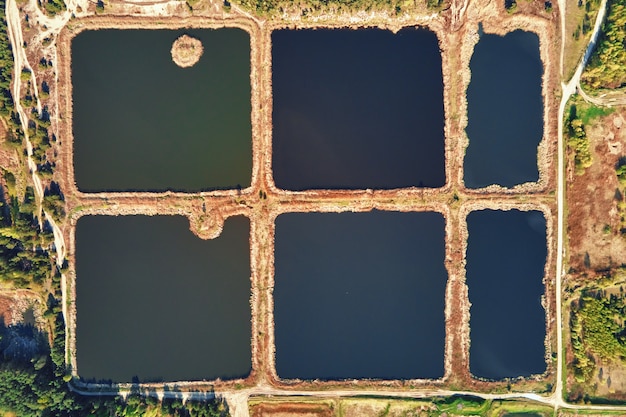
[157, 303]
[505, 111]
[359, 295]
[506, 256]
[357, 109]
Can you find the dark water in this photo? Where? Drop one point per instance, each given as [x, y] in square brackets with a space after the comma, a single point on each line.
[359, 295]
[357, 109]
[143, 123]
[505, 111]
[155, 302]
[506, 255]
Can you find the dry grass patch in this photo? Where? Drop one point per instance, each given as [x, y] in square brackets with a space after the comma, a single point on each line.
[292, 409]
[595, 198]
[384, 407]
[578, 13]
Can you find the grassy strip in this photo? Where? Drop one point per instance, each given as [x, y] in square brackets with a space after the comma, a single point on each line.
[275, 7]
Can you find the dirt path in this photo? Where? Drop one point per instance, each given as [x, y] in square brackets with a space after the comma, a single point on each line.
[607, 100]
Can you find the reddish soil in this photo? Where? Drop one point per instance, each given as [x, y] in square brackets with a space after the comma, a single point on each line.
[291, 410]
[594, 220]
[6, 310]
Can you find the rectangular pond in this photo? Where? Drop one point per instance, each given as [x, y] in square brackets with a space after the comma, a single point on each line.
[142, 123]
[506, 256]
[504, 110]
[355, 109]
[360, 295]
[155, 302]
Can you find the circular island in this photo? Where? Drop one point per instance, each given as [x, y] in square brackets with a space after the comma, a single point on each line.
[186, 51]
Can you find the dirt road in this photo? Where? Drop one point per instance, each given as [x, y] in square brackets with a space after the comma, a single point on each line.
[605, 100]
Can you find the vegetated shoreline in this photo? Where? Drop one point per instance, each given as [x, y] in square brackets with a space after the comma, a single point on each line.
[207, 210]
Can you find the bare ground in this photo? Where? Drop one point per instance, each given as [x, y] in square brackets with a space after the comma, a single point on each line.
[295, 409]
[594, 222]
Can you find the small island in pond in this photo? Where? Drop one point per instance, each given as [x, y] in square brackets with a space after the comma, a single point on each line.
[186, 51]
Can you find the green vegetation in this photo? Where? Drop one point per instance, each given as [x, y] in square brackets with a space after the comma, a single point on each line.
[584, 27]
[31, 386]
[435, 5]
[25, 259]
[620, 171]
[547, 6]
[597, 332]
[607, 66]
[579, 115]
[190, 3]
[579, 19]
[269, 7]
[510, 6]
[52, 7]
[34, 377]
[7, 107]
[461, 405]
[456, 405]
[577, 141]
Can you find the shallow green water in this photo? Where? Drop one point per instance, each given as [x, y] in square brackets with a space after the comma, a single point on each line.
[143, 123]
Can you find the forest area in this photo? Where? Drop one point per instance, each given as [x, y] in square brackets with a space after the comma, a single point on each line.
[607, 66]
[33, 373]
[597, 331]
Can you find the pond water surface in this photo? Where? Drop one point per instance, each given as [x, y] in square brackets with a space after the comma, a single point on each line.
[506, 256]
[155, 302]
[505, 111]
[359, 295]
[142, 123]
[357, 109]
